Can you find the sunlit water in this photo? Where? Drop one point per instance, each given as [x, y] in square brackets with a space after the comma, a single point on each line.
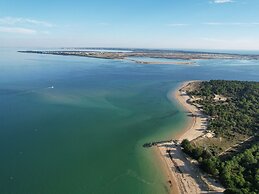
[77, 125]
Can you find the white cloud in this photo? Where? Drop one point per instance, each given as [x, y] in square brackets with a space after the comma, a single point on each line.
[26, 26]
[15, 21]
[16, 30]
[223, 1]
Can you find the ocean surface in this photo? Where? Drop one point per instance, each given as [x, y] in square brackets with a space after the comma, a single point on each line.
[75, 125]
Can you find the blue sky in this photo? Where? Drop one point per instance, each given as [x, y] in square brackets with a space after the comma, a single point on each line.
[180, 24]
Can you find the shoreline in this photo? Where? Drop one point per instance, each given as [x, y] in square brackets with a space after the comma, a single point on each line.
[163, 62]
[180, 170]
[170, 181]
[196, 122]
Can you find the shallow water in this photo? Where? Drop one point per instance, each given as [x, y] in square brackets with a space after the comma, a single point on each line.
[85, 135]
[158, 60]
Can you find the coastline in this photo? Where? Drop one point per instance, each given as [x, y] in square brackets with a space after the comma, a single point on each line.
[180, 170]
[163, 62]
[197, 121]
[167, 54]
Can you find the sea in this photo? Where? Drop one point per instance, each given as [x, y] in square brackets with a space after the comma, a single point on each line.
[77, 125]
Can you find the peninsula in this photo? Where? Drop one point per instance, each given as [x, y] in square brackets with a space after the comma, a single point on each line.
[137, 54]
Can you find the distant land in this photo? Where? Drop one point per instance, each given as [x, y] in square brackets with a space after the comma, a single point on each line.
[113, 53]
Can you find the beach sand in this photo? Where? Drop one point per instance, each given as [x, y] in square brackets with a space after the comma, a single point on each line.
[181, 171]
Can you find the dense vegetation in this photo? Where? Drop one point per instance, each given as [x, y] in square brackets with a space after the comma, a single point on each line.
[237, 114]
[240, 174]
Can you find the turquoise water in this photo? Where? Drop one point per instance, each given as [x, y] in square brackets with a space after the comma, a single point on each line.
[85, 134]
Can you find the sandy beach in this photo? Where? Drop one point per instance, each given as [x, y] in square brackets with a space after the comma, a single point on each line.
[180, 169]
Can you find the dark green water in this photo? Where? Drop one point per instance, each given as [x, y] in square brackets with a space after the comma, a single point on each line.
[85, 135]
